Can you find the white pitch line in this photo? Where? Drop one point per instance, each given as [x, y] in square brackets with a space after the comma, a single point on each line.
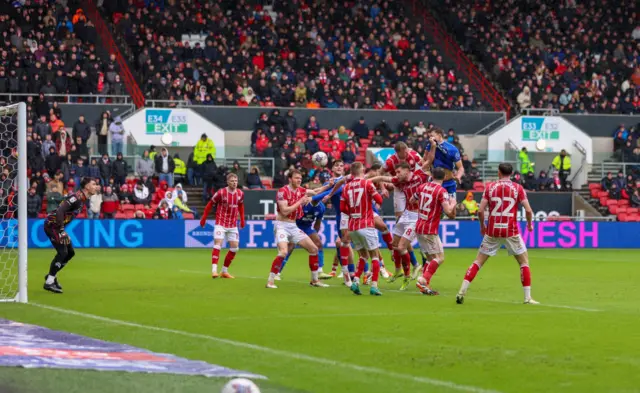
[276, 352]
[575, 308]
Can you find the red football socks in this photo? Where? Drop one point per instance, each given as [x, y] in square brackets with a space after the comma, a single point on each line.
[275, 266]
[375, 270]
[313, 262]
[229, 258]
[215, 256]
[430, 270]
[344, 255]
[388, 239]
[525, 275]
[397, 259]
[406, 264]
[471, 272]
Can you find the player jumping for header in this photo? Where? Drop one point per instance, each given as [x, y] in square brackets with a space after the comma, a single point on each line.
[432, 200]
[54, 229]
[290, 199]
[230, 207]
[502, 198]
[446, 156]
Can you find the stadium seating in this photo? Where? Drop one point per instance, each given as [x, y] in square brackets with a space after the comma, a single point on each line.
[574, 56]
[57, 45]
[231, 53]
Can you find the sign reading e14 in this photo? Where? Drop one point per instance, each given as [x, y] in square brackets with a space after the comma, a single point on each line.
[161, 121]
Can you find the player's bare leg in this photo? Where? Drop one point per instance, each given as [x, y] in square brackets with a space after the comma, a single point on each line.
[316, 240]
[397, 259]
[311, 248]
[403, 250]
[345, 252]
[231, 254]
[525, 277]
[424, 281]
[283, 249]
[470, 275]
[290, 249]
[388, 239]
[336, 263]
[344, 263]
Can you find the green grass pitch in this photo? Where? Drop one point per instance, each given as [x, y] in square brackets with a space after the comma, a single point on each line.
[583, 338]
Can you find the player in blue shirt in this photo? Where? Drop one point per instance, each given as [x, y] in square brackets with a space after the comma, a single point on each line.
[310, 223]
[445, 156]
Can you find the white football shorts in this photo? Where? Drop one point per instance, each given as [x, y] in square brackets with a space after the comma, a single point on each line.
[430, 244]
[406, 225]
[399, 200]
[366, 238]
[514, 245]
[228, 234]
[288, 232]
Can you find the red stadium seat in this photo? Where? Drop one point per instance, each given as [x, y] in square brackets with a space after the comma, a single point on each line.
[603, 201]
[623, 202]
[120, 216]
[595, 186]
[267, 182]
[613, 209]
[623, 217]
[633, 210]
[130, 214]
[634, 218]
[602, 194]
[128, 207]
[622, 209]
[188, 216]
[611, 202]
[82, 215]
[139, 206]
[594, 193]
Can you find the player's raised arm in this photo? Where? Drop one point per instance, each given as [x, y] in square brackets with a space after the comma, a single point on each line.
[459, 171]
[321, 189]
[336, 188]
[449, 206]
[383, 179]
[285, 209]
[430, 155]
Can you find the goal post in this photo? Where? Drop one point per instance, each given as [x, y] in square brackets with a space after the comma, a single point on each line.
[13, 204]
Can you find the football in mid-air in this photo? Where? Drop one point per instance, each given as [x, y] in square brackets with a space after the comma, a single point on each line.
[320, 159]
[240, 385]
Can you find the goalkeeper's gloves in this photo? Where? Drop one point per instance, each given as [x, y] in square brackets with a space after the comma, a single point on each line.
[64, 238]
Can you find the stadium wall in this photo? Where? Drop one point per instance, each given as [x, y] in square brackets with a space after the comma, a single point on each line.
[259, 234]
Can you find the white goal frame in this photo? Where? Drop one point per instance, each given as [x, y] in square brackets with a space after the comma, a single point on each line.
[22, 183]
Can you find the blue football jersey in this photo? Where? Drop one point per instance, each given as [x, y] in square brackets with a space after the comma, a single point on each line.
[310, 214]
[447, 155]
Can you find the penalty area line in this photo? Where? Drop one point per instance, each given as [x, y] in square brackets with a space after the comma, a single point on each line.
[275, 352]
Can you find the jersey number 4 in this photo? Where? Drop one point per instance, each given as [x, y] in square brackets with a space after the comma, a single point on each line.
[506, 212]
[355, 196]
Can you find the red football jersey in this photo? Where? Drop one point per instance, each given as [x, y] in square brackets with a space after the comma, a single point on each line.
[504, 197]
[431, 197]
[358, 196]
[409, 187]
[291, 196]
[413, 159]
[227, 203]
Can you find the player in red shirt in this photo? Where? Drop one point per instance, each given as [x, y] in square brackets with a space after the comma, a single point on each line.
[290, 199]
[403, 154]
[502, 198]
[432, 200]
[357, 199]
[230, 207]
[407, 180]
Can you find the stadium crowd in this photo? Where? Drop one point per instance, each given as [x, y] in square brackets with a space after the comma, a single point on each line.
[51, 48]
[306, 54]
[573, 56]
[626, 143]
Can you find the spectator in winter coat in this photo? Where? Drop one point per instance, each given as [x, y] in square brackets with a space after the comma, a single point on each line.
[63, 144]
[141, 195]
[81, 149]
[95, 206]
[635, 198]
[607, 181]
[117, 135]
[178, 192]
[34, 203]
[110, 203]
[43, 128]
[67, 168]
[119, 170]
[240, 172]
[530, 182]
[182, 206]
[312, 127]
[93, 170]
[614, 191]
[165, 166]
[203, 148]
[349, 155]
[194, 174]
[620, 181]
[80, 171]
[81, 129]
[148, 182]
[125, 196]
[105, 169]
[47, 144]
[361, 129]
[210, 171]
[102, 130]
[253, 180]
[312, 144]
[54, 198]
[163, 212]
[145, 166]
[180, 171]
[544, 183]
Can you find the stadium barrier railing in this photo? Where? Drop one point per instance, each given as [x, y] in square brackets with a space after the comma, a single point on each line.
[68, 98]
